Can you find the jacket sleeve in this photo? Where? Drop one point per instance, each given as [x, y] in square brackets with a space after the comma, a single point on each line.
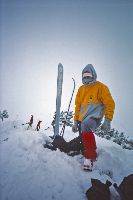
[108, 102]
[77, 106]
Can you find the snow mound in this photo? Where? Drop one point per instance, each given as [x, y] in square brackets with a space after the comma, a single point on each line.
[28, 171]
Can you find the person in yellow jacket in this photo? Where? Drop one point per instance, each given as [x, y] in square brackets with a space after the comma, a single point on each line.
[93, 102]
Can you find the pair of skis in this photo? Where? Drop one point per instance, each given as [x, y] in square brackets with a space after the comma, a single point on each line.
[58, 102]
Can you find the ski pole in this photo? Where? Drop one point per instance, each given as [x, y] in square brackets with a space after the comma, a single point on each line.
[64, 125]
[24, 124]
[79, 129]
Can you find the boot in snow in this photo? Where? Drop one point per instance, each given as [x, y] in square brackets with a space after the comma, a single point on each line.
[88, 164]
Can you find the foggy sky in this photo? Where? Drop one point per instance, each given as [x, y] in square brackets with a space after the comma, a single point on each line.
[36, 35]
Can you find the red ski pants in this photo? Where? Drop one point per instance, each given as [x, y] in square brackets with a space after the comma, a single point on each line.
[89, 145]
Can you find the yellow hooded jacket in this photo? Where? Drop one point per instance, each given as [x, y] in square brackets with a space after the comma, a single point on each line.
[93, 100]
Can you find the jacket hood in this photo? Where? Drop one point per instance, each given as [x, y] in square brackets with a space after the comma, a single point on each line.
[89, 68]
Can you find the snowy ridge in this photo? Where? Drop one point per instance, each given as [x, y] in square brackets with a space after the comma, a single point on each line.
[28, 171]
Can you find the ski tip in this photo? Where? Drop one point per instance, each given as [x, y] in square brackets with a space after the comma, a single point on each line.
[60, 65]
[73, 79]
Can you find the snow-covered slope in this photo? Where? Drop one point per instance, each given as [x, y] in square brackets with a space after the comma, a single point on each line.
[28, 171]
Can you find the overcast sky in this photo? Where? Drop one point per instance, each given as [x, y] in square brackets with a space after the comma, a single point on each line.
[36, 35]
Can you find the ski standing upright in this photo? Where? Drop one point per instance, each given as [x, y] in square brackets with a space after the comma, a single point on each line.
[58, 98]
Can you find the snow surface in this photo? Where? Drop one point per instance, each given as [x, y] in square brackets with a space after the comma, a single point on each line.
[30, 172]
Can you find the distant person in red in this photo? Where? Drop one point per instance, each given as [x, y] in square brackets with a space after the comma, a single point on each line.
[31, 121]
[38, 126]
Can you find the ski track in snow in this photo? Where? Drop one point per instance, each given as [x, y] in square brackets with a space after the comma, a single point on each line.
[30, 172]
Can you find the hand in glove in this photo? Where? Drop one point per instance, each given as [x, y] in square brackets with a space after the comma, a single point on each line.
[106, 126]
[75, 127]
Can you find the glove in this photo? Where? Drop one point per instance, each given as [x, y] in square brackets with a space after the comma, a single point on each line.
[75, 127]
[106, 126]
